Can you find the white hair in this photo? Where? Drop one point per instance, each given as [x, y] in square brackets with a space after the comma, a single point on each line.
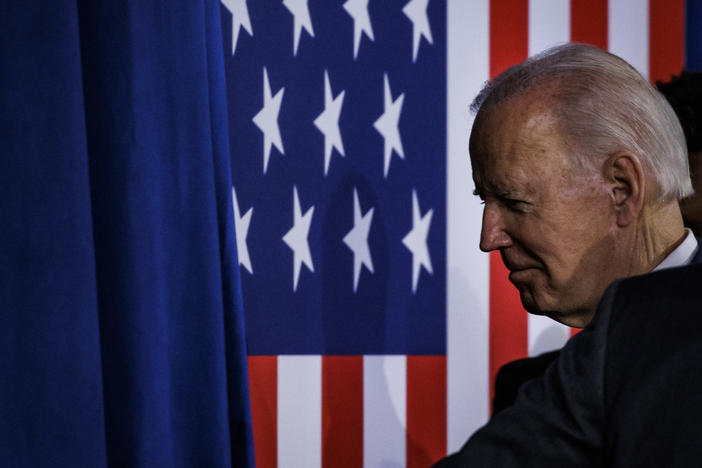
[603, 106]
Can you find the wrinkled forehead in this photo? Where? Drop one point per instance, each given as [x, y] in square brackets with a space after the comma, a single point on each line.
[516, 146]
[515, 129]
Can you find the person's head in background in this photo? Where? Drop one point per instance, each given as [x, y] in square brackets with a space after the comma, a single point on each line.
[684, 93]
[580, 163]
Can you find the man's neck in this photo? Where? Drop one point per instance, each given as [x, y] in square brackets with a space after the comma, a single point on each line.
[659, 232]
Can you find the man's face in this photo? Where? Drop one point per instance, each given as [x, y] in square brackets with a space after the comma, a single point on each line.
[551, 222]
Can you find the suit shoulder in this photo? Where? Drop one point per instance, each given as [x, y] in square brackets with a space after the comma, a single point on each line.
[512, 375]
[665, 285]
[649, 306]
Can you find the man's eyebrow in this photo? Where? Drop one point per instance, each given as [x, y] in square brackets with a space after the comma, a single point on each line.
[505, 193]
[498, 193]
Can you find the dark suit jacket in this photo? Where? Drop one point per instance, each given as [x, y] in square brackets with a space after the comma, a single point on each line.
[625, 392]
[514, 374]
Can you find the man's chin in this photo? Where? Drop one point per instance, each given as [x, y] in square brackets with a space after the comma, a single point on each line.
[569, 319]
[534, 307]
[529, 302]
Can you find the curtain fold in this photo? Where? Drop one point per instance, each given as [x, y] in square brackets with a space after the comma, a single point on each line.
[121, 323]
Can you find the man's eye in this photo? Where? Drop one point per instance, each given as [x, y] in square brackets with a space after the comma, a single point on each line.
[516, 205]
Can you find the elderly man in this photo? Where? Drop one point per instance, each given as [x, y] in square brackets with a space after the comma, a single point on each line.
[580, 163]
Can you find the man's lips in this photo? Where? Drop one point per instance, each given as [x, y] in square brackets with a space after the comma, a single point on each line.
[515, 266]
[520, 266]
[521, 274]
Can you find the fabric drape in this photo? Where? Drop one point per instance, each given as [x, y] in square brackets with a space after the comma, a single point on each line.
[121, 320]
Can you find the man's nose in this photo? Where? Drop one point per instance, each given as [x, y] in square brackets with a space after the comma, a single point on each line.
[493, 235]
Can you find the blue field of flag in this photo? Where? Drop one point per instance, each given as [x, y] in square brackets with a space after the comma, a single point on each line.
[338, 140]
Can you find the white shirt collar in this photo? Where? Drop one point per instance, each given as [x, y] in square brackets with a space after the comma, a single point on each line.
[682, 255]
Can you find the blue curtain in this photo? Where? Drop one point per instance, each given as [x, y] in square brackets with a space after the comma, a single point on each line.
[121, 321]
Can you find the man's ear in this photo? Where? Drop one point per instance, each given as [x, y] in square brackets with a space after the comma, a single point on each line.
[625, 177]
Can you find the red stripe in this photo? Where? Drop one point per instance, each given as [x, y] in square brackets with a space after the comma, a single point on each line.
[263, 384]
[666, 38]
[426, 410]
[508, 320]
[342, 411]
[588, 22]
[509, 40]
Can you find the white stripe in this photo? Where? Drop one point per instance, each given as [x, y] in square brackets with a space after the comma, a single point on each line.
[549, 24]
[467, 268]
[299, 411]
[545, 334]
[384, 411]
[628, 32]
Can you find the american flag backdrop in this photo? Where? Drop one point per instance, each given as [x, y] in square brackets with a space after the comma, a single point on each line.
[374, 324]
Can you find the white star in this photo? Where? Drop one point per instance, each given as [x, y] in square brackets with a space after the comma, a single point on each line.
[302, 19]
[357, 240]
[267, 120]
[240, 18]
[416, 11]
[358, 9]
[416, 241]
[241, 228]
[328, 122]
[296, 238]
[387, 125]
